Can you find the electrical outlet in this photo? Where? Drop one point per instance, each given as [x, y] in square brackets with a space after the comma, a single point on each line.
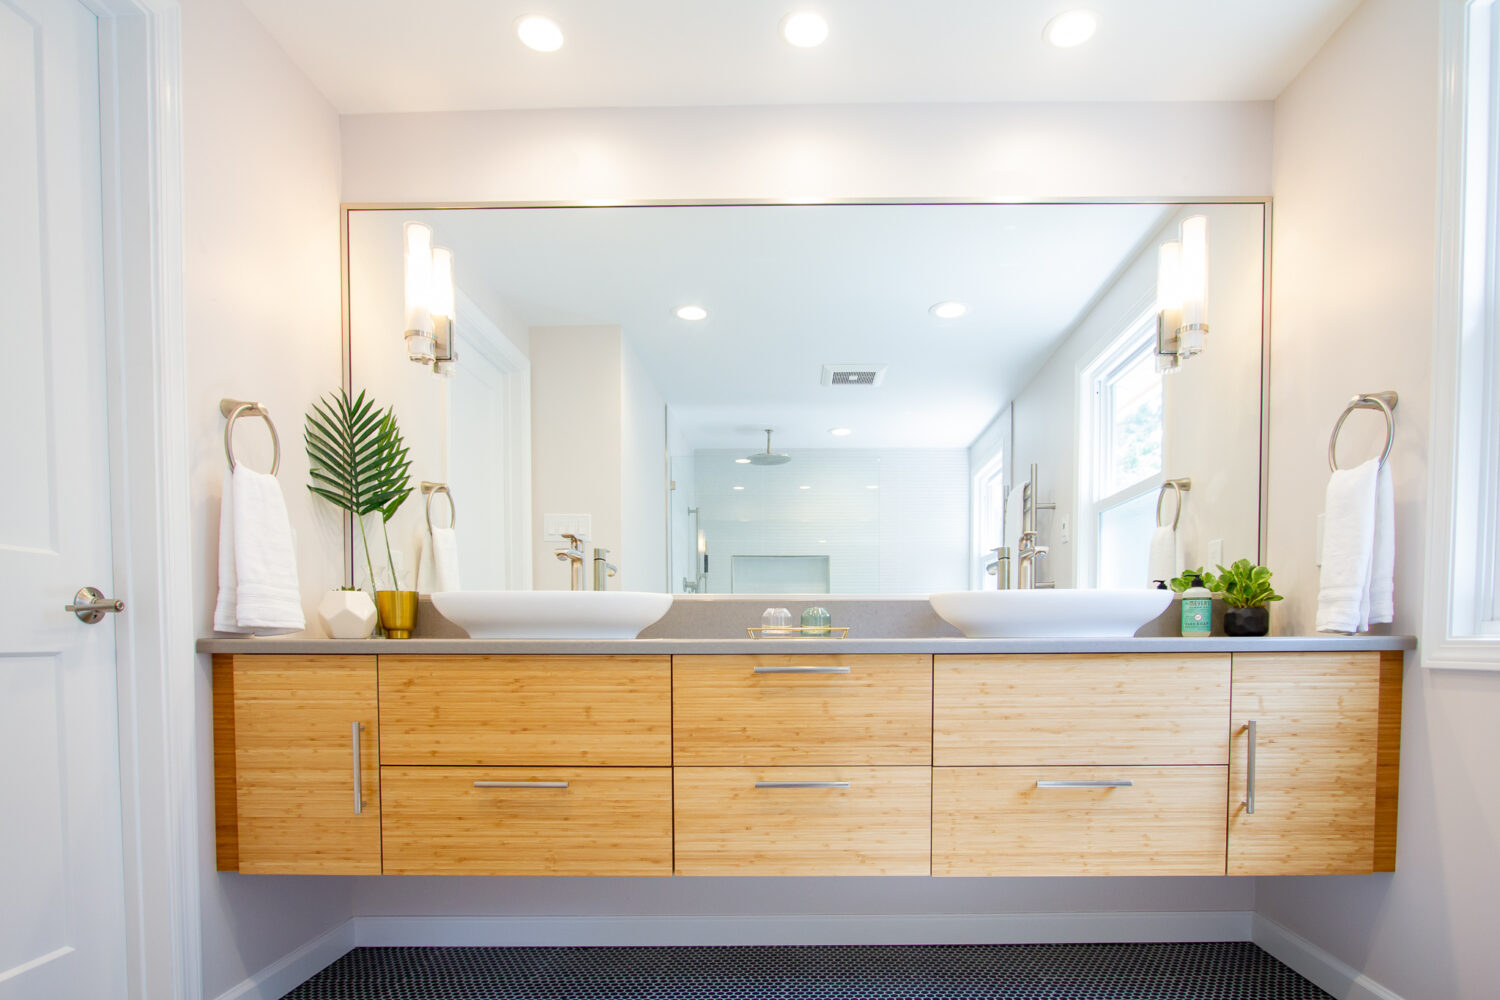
[1215, 553]
[554, 526]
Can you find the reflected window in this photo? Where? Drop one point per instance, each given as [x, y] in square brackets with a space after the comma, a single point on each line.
[989, 499]
[1122, 459]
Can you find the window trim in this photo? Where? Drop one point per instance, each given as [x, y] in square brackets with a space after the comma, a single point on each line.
[1452, 637]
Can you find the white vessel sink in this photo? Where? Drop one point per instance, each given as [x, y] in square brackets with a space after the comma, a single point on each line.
[551, 614]
[1049, 614]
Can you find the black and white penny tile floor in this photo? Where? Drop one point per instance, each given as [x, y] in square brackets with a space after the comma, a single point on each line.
[1230, 970]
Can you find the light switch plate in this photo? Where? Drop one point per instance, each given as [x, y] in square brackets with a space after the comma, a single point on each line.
[1215, 553]
[554, 526]
[1062, 529]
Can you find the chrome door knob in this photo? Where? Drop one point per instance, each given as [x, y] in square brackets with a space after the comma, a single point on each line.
[90, 605]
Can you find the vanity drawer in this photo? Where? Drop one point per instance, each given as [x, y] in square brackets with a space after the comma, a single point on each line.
[1000, 821]
[1114, 708]
[527, 710]
[603, 821]
[758, 821]
[787, 709]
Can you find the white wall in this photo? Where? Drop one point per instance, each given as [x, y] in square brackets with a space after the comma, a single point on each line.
[817, 152]
[575, 440]
[1352, 311]
[261, 278]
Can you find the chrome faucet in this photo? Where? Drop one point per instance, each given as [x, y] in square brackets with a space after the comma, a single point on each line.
[999, 568]
[573, 554]
[1027, 550]
[602, 569]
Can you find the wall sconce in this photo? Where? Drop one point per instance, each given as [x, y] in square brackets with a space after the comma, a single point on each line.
[429, 299]
[1181, 291]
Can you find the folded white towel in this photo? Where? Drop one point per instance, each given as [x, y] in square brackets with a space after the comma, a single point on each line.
[1383, 560]
[258, 592]
[1165, 562]
[437, 561]
[1349, 542]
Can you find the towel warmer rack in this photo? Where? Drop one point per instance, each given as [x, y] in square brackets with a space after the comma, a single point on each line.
[1178, 486]
[1385, 402]
[431, 490]
[233, 409]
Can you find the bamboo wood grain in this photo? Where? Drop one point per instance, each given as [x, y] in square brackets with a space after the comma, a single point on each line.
[526, 710]
[1388, 766]
[608, 821]
[1316, 763]
[725, 713]
[1080, 709]
[226, 817]
[293, 764]
[996, 821]
[879, 825]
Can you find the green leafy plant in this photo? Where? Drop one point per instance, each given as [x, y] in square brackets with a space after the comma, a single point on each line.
[1183, 582]
[358, 462]
[1245, 586]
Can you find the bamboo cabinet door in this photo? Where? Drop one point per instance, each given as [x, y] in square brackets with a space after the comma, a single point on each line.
[1312, 788]
[296, 744]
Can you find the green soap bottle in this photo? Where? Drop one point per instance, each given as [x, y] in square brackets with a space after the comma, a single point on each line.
[1197, 609]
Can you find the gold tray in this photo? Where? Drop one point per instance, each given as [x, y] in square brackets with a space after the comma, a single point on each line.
[798, 631]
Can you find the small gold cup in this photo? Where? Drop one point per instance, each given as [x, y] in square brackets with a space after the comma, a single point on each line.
[398, 612]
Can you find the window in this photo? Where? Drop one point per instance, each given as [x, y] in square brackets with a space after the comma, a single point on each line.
[989, 515]
[1462, 615]
[1122, 457]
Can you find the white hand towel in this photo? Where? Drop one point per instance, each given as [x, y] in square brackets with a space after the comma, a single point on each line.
[1383, 560]
[257, 558]
[1165, 560]
[437, 560]
[1348, 549]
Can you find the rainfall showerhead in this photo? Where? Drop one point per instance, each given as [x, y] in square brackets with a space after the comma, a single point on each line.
[768, 457]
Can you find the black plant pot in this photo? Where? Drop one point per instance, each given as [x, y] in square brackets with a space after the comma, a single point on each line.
[1247, 621]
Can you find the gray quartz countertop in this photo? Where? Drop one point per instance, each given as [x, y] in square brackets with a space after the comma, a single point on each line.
[668, 647]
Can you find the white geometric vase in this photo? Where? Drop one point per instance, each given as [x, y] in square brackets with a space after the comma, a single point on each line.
[347, 614]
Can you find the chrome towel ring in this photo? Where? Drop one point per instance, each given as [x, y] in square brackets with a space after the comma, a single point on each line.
[1179, 487]
[1385, 402]
[236, 408]
[432, 490]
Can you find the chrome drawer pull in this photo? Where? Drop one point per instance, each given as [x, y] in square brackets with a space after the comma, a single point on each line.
[801, 670]
[1250, 769]
[1100, 783]
[520, 784]
[802, 784]
[355, 728]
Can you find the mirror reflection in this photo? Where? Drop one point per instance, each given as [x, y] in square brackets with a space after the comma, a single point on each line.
[834, 398]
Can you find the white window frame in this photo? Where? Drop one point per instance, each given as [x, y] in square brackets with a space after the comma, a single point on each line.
[982, 479]
[1091, 458]
[1459, 627]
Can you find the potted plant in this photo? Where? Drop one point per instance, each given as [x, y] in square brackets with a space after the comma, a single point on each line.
[1247, 592]
[358, 462]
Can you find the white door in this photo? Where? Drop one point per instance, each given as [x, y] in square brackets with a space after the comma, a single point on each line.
[61, 895]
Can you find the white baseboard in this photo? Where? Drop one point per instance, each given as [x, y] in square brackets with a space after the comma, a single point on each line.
[1018, 928]
[291, 971]
[1320, 967]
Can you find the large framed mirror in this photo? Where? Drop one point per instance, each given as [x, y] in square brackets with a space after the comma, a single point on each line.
[854, 411]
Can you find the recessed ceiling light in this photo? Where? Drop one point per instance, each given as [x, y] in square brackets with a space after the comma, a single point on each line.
[948, 310]
[691, 313]
[539, 33]
[872, 487]
[804, 29]
[1072, 28]
[737, 487]
[742, 461]
[840, 432]
[804, 487]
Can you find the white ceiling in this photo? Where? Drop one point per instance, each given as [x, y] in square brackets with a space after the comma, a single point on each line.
[441, 55]
[791, 288]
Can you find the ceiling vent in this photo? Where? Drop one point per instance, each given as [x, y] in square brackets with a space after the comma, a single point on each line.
[853, 374]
